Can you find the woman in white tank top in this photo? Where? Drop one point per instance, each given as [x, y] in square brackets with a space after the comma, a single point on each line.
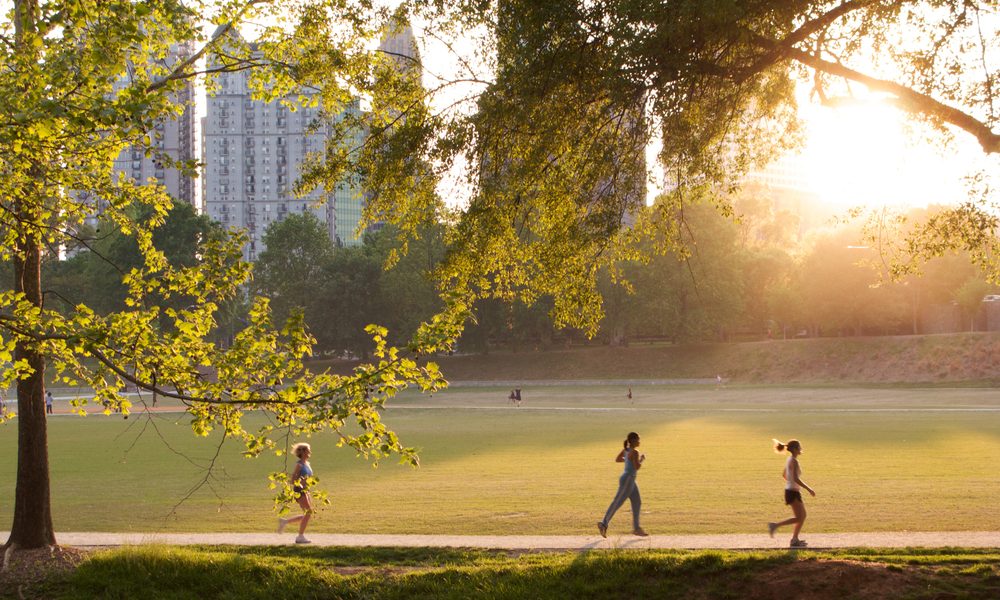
[793, 494]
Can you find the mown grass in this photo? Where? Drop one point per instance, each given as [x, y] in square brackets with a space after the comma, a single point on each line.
[248, 573]
[880, 460]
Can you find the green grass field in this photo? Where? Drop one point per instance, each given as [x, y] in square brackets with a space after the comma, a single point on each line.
[296, 572]
[881, 459]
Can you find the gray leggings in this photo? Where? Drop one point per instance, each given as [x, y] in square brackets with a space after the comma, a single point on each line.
[626, 489]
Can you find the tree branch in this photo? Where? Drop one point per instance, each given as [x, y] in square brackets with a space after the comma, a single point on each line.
[907, 98]
[179, 72]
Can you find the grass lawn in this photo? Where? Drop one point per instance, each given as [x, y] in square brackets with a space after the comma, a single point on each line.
[881, 459]
[295, 572]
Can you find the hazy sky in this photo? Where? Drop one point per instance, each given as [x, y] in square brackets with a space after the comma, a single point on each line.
[866, 153]
[870, 154]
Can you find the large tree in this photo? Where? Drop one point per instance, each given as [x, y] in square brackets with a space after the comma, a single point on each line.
[289, 271]
[81, 81]
[553, 138]
[571, 92]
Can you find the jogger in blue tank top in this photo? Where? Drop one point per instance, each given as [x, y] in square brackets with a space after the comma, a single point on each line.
[627, 487]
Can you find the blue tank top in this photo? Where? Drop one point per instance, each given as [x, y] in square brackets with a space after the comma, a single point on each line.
[305, 470]
[629, 467]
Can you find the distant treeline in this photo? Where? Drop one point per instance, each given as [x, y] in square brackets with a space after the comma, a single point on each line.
[754, 276]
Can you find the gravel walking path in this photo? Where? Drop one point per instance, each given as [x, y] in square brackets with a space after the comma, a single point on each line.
[937, 539]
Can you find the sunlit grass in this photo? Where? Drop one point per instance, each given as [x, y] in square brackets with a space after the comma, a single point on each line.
[492, 469]
[287, 572]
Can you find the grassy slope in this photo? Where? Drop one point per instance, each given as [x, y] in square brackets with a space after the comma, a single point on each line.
[286, 572]
[973, 357]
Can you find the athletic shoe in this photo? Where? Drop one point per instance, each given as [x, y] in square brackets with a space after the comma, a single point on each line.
[770, 528]
[302, 540]
[602, 529]
[281, 524]
[640, 532]
[798, 544]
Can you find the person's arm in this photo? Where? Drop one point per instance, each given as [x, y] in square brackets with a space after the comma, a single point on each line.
[799, 481]
[296, 472]
[621, 456]
[636, 458]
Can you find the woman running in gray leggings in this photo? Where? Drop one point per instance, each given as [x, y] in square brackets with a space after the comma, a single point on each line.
[627, 487]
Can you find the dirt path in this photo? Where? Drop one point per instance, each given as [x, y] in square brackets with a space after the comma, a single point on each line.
[938, 539]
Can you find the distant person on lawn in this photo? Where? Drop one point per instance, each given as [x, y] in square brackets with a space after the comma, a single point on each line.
[627, 487]
[48, 403]
[793, 495]
[303, 471]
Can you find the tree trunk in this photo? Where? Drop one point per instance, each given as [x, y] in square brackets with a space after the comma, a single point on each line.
[32, 526]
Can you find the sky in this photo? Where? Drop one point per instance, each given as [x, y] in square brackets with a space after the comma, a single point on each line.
[871, 154]
[863, 154]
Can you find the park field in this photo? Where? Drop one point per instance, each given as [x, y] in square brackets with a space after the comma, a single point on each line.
[880, 459]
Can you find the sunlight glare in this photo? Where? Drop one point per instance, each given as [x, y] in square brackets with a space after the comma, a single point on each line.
[865, 154]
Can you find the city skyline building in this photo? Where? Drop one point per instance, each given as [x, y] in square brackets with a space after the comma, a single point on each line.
[174, 138]
[253, 153]
[788, 183]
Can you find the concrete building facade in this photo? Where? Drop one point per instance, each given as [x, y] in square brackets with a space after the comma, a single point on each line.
[174, 137]
[253, 153]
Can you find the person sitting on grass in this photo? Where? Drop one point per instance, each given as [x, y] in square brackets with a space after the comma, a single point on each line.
[300, 483]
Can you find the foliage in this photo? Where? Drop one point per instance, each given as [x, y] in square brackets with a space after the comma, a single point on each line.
[713, 83]
[93, 274]
[970, 299]
[342, 290]
[274, 573]
[290, 271]
[82, 82]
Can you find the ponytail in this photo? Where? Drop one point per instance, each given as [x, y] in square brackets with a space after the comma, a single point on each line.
[780, 447]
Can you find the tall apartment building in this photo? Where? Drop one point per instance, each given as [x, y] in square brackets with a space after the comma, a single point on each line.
[253, 152]
[174, 137]
[788, 182]
[402, 45]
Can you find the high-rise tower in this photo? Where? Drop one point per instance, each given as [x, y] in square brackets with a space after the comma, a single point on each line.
[174, 138]
[254, 151]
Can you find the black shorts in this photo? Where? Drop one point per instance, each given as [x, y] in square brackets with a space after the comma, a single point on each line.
[792, 496]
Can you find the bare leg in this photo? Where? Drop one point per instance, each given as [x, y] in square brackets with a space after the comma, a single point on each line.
[791, 521]
[305, 501]
[304, 522]
[800, 517]
[799, 510]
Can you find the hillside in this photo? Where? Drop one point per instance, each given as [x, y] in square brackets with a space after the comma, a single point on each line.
[932, 359]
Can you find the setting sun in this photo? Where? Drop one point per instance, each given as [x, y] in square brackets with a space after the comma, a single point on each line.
[866, 154]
